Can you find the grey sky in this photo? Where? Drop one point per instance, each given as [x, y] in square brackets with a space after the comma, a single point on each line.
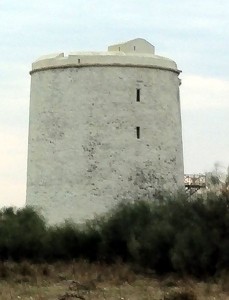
[193, 33]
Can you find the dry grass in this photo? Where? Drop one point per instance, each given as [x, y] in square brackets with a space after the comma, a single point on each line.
[81, 280]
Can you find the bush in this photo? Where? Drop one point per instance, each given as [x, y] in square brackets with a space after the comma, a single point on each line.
[62, 242]
[171, 234]
[174, 234]
[21, 234]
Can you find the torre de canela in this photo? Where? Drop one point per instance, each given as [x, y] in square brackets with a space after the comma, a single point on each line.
[104, 127]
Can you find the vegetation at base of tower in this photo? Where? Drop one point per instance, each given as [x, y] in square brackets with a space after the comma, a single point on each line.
[170, 234]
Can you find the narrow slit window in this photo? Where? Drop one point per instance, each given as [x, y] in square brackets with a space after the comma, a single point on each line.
[78, 61]
[134, 48]
[119, 49]
[138, 95]
[138, 132]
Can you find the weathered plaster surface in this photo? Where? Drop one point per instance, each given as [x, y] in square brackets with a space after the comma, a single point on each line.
[84, 155]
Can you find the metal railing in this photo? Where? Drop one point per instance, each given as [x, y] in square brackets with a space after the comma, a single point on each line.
[194, 182]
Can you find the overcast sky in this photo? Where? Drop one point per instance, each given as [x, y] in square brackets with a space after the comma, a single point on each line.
[192, 32]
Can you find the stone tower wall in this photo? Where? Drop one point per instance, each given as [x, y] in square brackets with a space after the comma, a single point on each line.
[84, 153]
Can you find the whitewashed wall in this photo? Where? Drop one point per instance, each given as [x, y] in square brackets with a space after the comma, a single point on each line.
[84, 155]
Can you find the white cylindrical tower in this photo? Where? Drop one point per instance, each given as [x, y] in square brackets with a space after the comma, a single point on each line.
[104, 127]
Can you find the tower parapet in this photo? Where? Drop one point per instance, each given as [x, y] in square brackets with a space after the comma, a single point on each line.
[142, 56]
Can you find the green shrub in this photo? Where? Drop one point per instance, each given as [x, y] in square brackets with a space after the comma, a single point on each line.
[62, 242]
[170, 234]
[21, 234]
